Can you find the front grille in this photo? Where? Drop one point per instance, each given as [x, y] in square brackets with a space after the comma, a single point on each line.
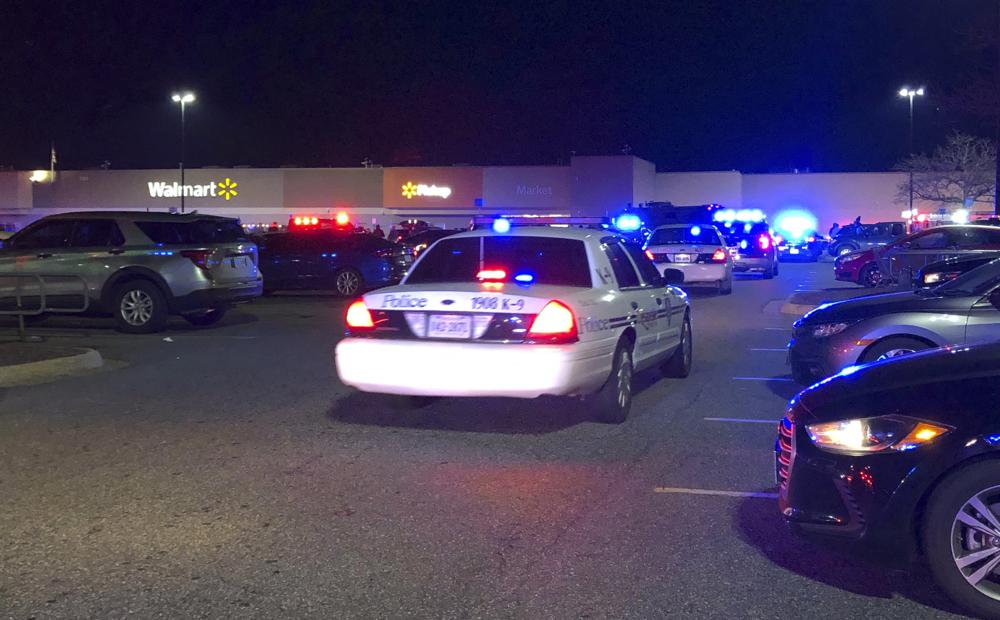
[786, 431]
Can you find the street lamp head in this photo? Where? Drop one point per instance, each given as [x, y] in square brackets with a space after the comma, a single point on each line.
[903, 92]
[920, 91]
[183, 97]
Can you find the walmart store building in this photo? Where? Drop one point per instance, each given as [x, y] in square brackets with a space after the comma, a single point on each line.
[447, 196]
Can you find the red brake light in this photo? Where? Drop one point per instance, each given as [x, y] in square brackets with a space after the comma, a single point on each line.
[358, 316]
[341, 219]
[719, 256]
[492, 274]
[764, 241]
[555, 320]
[649, 255]
[198, 257]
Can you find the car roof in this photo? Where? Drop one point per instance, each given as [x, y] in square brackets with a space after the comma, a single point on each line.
[686, 226]
[141, 216]
[540, 231]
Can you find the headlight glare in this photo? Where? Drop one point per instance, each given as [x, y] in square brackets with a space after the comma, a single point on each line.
[935, 278]
[876, 434]
[828, 329]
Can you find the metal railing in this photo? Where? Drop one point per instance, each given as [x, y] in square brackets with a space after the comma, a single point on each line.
[31, 295]
[900, 266]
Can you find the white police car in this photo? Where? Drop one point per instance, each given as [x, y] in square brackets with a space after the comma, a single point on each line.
[520, 312]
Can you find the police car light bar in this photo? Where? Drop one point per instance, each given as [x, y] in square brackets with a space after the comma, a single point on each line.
[495, 221]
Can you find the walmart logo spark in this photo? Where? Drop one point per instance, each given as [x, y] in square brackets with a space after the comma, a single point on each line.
[227, 189]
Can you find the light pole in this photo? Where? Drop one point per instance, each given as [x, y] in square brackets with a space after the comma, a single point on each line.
[184, 99]
[910, 93]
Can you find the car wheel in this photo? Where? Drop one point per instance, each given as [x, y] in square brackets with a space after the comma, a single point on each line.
[348, 282]
[840, 250]
[726, 286]
[870, 276]
[961, 537]
[140, 307]
[897, 346]
[614, 400]
[679, 363]
[209, 317]
[802, 376]
[768, 273]
[777, 266]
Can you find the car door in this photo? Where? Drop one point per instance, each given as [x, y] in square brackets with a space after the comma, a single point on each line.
[638, 298]
[32, 252]
[665, 302]
[95, 249]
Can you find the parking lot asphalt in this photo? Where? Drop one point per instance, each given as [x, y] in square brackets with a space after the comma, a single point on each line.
[225, 472]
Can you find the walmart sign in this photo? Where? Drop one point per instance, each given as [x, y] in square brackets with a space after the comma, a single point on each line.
[226, 189]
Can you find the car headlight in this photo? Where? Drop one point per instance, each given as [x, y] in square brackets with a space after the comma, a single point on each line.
[876, 434]
[828, 329]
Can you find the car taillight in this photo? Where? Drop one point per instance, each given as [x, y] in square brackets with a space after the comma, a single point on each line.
[649, 255]
[719, 256]
[198, 257]
[555, 323]
[764, 242]
[358, 316]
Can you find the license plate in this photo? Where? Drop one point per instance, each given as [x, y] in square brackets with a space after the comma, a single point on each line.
[682, 258]
[239, 262]
[793, 250]
[449, 326]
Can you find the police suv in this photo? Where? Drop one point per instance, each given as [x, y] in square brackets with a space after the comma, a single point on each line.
[568, 310]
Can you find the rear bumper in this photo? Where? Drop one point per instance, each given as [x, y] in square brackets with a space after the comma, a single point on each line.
[698, 272]
[434, 368]
[233, 293]
[752, 263]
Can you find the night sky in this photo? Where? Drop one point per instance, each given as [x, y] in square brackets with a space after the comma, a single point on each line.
[754, 86]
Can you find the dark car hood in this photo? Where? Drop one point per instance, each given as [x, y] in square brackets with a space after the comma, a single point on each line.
[888, 303]
[947, 365]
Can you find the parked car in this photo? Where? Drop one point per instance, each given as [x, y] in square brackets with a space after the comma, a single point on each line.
[418, 242]
[699, 252]
[901, 459]
[138, 267]
[857, 237]
[399, 232]
[866, 329]
[935, 274]
[344, 262]
[930, 245]
[752, 248]
[808, 247]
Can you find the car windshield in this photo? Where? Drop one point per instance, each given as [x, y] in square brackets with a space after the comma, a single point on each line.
[546, 260]
[975, 282]
[687, 235]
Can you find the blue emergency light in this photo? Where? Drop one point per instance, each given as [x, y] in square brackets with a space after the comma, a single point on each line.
[501, 225]
[628, 222]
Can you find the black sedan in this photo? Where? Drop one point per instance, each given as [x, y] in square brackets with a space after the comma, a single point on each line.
[420, 241]
[948, 269]
[345, 262]
[901, 457]
[809, 247]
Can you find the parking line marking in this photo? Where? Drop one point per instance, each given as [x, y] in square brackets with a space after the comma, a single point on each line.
[716, 493]
[761, 379]
[778, 329]
[781, 350]
[747, 420]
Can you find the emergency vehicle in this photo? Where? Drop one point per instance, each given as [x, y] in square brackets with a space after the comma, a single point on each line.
[564, 309]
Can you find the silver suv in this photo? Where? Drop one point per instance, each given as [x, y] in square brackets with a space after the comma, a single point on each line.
[138, 267]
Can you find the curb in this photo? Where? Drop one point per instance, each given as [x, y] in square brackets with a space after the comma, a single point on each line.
[796, 309]
[46, 370]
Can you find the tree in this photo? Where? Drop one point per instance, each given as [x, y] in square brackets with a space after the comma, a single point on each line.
[960, 173]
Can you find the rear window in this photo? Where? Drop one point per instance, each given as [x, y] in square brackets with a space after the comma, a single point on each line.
[548, 260]
[196, 232]
[740, 231]
[686, 235]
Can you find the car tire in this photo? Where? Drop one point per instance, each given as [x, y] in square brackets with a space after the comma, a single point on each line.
[348, 282]
[895, 346]
[966, 492]
[870, 276]
[207, 318]
[614, 400]
[802, 376]
[777, 267]
[679, 363]
[768, 273]
[139, 307]
[842, 249]
[726, 286]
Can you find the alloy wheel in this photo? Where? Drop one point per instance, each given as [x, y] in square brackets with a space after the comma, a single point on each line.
[136, 307]
[624, 381]
[975, 541]
[347, 283]
[894, 353]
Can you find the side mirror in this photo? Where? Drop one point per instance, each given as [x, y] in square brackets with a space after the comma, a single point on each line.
[995, 298]
[673, 276]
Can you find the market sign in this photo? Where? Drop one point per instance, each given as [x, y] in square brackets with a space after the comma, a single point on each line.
[226, 189]
[411, 189]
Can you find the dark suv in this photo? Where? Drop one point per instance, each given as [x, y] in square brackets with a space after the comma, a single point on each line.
[857, 237]
[138, 267]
